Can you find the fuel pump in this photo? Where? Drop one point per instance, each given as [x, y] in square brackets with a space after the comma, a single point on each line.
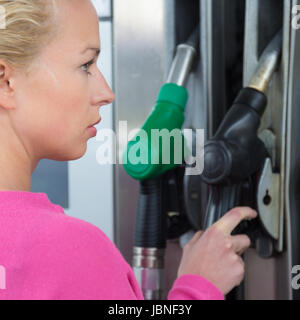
[158, 182]
[233, 36]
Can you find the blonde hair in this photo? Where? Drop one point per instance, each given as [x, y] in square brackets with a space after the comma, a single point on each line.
[29, 25]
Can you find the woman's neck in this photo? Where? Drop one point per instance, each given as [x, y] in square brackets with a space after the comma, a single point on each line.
[16, 165]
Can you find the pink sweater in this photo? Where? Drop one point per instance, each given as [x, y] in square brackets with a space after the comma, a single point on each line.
[45, 254]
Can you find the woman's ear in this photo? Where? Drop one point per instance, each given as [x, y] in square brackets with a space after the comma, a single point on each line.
[7, 93]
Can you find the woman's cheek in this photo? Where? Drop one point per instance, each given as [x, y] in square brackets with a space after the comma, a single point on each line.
[69, 106]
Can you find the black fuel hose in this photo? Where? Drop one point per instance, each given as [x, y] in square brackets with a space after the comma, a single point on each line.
[151, 229]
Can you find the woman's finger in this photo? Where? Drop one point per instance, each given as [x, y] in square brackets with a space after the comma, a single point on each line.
[234, 217]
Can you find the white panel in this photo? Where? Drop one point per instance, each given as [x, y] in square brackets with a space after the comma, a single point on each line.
[91, 184]
[103, 7]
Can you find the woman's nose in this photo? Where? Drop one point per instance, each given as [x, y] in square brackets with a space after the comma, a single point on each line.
[104, 94]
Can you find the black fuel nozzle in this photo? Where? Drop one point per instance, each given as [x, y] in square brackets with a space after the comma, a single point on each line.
[235, 153]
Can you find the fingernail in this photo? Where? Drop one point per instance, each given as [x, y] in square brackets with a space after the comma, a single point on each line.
[254, 216]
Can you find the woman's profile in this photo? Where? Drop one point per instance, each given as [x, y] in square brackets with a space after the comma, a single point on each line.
[51, 91]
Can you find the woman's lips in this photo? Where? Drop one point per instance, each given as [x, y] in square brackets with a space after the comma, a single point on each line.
[95, 123]
[92, 130]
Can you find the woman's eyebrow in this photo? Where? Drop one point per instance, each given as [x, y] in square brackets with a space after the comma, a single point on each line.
[97, 51]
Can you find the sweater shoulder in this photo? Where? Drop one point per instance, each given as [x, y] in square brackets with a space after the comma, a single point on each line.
[64, 240]
[64, 230]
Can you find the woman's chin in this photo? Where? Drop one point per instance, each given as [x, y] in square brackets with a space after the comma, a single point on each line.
[78, 154]
[72, 154]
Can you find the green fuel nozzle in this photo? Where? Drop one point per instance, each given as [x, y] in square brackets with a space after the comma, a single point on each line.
[167, 115]
[144, 156]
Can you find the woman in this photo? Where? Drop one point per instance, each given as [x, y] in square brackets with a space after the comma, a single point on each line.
[50, 94]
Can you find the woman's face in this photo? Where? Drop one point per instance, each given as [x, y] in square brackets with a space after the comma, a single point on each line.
[61, 97]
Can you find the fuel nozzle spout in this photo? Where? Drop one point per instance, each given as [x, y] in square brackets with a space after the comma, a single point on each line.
[268, 63]
[184, 59]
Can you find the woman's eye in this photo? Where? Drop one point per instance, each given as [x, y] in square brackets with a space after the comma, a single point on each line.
[86, 66]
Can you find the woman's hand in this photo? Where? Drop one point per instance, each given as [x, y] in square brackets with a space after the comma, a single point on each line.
[215, 254]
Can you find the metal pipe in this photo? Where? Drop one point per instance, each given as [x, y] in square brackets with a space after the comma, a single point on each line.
[184, 59]
[182, 64]
[148, 267]
[267, 64]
